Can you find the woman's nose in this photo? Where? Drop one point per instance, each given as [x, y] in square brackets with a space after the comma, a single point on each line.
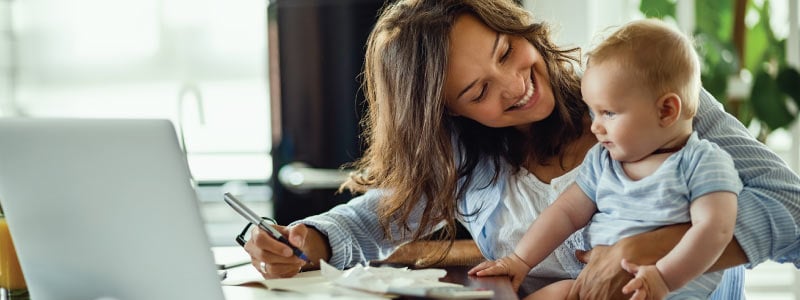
[514, 86]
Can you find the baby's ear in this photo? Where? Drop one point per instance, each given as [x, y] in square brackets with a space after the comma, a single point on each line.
[669, 109]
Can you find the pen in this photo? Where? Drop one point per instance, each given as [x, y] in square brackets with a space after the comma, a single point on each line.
[256, 220]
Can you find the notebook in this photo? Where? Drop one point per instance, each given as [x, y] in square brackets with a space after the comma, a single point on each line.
[103, 209]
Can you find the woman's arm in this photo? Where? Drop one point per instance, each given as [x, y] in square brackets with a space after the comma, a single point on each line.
[603, 277]
[346, 235]
[769, 205]
[463, 253]
[353, 232]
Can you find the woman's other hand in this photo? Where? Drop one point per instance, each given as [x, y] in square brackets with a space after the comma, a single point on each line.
[271, 257]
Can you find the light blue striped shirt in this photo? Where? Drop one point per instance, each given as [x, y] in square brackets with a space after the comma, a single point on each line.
[766, 228]
[627, 207]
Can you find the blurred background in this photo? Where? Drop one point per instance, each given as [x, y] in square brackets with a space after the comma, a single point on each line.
[264, 94]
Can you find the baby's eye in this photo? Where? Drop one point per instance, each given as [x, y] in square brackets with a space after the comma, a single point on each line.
[609, 114]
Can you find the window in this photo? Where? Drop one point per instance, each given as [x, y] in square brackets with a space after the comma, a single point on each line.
[200, 63]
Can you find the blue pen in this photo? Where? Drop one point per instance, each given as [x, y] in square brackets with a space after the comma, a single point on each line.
[256, 220]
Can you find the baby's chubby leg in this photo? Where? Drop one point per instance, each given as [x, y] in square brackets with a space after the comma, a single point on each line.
[556, 290]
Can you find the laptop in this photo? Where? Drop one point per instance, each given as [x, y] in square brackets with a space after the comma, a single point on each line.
[103, 209]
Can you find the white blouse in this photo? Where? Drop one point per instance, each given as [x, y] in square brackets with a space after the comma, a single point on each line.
[525, 199]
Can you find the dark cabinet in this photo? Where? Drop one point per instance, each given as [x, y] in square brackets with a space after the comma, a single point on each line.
[316, 52]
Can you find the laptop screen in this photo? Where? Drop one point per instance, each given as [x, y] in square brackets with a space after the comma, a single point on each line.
[103, 209]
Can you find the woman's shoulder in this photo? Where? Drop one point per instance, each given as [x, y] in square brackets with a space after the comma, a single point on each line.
[489, 170]
[712, 123]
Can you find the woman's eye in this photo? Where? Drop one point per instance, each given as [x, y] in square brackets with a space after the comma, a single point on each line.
[507, 53]
[480, 96]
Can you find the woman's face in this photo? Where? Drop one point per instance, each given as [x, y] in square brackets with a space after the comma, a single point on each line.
[497, 80]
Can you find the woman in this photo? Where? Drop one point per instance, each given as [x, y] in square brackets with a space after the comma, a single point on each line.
[475, 116]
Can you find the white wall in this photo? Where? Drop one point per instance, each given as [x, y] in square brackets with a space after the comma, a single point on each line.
[6, 59]
[577, 22]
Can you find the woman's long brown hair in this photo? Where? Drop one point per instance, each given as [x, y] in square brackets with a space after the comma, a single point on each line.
[408, 133]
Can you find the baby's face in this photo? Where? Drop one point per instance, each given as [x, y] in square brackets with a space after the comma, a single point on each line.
[625, 112]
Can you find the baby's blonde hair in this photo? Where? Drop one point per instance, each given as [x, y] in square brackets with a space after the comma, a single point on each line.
[662, 57]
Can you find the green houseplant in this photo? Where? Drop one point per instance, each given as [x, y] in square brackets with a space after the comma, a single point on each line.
[729, 48]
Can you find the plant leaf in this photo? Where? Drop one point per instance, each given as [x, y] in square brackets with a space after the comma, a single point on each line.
[757, 45]
[745, 114]
[789, 82]
[715, 18]
[657, 8]
[718, 62]
[768, 103]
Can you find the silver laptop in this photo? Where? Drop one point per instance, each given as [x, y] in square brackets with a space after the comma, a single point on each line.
[103, 209]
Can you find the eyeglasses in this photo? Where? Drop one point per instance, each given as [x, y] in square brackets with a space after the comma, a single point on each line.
[244, 236]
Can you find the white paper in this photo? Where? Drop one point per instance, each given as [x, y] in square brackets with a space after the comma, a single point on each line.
[380, 279]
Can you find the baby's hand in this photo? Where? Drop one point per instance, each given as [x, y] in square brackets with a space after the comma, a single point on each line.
[510, 265]
[647, 283]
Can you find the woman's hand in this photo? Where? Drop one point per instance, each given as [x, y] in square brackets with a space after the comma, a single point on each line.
[511, 265]
[603, 277]
[274, 259]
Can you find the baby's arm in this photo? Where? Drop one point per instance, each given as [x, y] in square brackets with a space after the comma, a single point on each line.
[570, 212]
[713, 218]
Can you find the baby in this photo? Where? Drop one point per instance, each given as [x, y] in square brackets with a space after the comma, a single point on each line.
[648, 170]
